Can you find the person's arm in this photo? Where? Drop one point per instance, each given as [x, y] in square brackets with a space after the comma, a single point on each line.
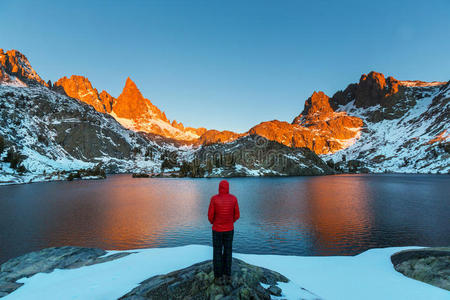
[237, 214]
[211, 211]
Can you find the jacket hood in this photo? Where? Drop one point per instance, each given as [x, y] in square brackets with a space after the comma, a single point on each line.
[224, 187]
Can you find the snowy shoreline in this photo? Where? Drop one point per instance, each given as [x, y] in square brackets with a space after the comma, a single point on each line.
[369, 275]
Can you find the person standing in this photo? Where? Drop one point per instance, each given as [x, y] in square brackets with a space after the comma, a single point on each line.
[222, 213]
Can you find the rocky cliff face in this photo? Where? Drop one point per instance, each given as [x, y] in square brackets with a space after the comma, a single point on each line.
[394, 97]
[16, 69]
[131, 108]
[135, 112]
[107, 100]
[254, 155]
[46, 133]
[406, 125]
[318, 128]
[132, 105]
[80, 88]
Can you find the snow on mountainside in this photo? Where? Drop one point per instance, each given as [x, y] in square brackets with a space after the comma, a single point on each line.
[45, 134]
[418, 83]
[377, 125]
[406, 131]
[134, 111]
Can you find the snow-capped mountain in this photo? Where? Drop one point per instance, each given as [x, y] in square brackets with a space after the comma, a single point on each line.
[44, 135]
[130, 109]
[377, 125]
[406, 125]
[49, 131]
[318, 127]
[135, 112]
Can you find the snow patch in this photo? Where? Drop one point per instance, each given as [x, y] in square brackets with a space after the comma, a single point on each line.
[369, 275]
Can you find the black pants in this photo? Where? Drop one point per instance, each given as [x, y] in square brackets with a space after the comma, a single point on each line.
[223, 245]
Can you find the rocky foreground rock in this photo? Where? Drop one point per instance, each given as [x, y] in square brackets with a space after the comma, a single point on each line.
[47, 260]
[197, 282]
[430, 265]
[194, 282]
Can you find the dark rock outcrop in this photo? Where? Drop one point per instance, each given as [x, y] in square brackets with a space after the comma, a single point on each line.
[430, 265]
[197, 282]
[373, 89]
[47, 260]
[390, 94]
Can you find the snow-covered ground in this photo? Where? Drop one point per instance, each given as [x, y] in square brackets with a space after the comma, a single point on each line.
[369, 275]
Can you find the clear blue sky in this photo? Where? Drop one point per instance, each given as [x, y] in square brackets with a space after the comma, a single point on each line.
[230, 64]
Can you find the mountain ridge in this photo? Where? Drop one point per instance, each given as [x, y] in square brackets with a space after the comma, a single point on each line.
[352, 129]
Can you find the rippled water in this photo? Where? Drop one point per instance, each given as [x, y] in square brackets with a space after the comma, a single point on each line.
[328, 215]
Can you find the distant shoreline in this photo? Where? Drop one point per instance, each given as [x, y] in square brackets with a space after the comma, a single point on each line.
[9, 183]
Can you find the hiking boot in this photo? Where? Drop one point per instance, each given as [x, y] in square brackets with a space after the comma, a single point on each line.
[218, 281]
[227, 279]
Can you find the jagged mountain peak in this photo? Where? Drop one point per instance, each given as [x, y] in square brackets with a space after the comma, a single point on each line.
[16, 69]
[79, 87]
[130, 85]
[374, 78]
[316, 107]
[76, 82]
[131, 104]
[77, 78]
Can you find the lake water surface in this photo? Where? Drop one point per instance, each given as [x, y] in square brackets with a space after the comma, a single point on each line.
[326, 215]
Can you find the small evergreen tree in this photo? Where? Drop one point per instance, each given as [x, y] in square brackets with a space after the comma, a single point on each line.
[15, 158]
[2, 144]
[185, 169]
[165, 165]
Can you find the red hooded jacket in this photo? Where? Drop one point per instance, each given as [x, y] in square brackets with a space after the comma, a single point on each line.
[223, 209]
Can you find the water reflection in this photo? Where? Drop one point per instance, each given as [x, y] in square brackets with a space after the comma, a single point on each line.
[123, 214]
[296, 216]
[339, 210]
